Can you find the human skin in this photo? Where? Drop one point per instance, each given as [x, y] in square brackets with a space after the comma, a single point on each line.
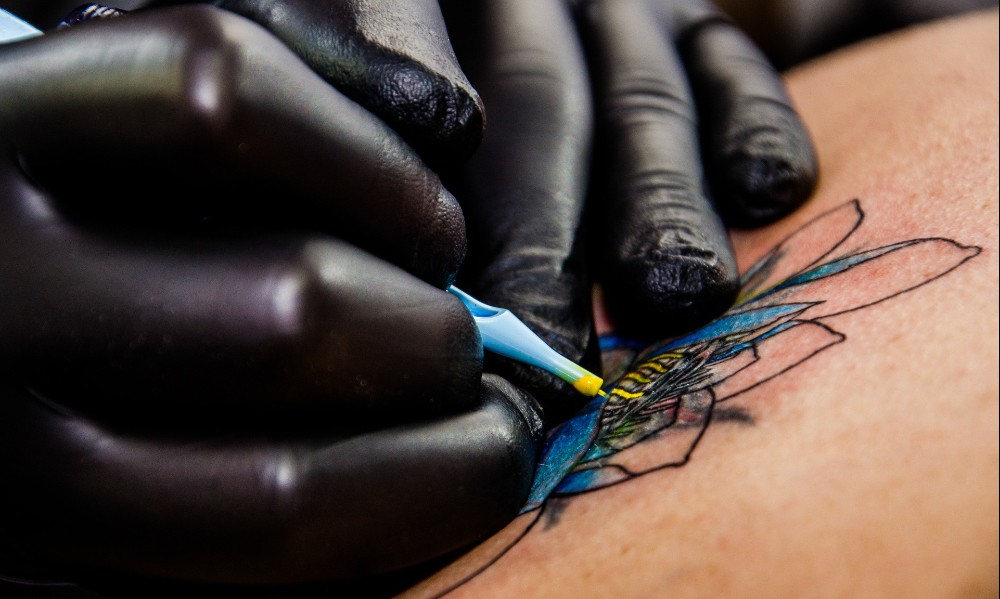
[870, 469]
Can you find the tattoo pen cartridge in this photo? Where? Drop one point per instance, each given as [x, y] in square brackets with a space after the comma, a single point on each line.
[505, 334]
[13, 29]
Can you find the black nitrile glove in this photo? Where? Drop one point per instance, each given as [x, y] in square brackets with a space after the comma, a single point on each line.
[255, 507]
[692, 124]
[391, 56]
[523, 191]
[661, 249]
[201, 379]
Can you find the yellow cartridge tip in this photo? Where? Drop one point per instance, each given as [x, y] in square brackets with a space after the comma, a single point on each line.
[589, 385]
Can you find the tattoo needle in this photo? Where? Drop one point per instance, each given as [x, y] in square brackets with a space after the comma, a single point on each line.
[505, 334]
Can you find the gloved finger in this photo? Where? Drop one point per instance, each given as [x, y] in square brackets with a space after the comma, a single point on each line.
[393, 57]
[667, 261]
[758, 155]
[197, 328]
[262, 509]
[195, 114]
[523, 191]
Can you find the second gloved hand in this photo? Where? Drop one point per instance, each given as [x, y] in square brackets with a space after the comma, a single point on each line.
[689, 129]
[695, 132]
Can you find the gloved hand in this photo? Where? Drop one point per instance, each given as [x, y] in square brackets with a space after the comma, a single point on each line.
[199, 381]
[691, 125]
[391, 56]
[656, 237]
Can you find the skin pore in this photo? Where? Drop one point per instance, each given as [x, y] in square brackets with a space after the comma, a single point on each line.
[868, 467]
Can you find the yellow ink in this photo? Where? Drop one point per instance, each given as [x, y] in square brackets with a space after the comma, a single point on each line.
[625, 394]
[657, 366]
[635, 376]
[589, 385]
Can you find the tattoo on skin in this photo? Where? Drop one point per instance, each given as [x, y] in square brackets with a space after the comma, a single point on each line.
[664, 397]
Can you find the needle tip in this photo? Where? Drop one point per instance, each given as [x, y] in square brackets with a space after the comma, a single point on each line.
[589, 385]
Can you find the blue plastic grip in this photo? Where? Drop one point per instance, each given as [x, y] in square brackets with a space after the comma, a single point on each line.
[13, 29]
[505, 334]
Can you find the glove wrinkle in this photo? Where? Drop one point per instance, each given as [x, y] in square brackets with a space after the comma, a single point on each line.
[669, 273]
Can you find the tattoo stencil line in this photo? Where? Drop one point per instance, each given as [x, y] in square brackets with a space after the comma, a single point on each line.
[674, 389]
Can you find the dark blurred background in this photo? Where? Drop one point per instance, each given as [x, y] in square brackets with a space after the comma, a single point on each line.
[789, 31]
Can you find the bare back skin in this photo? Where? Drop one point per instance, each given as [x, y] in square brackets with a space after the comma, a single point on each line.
[837, 436]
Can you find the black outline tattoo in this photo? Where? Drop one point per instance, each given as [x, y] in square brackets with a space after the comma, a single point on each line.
[674, 389]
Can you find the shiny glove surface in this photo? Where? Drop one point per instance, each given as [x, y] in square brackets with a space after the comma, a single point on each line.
[690, 130]
[226, 353]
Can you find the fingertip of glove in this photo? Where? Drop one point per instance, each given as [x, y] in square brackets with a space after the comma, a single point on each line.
[672, 294]
[769, 167]
[443, 121]
[762, 189]
[440, 249]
